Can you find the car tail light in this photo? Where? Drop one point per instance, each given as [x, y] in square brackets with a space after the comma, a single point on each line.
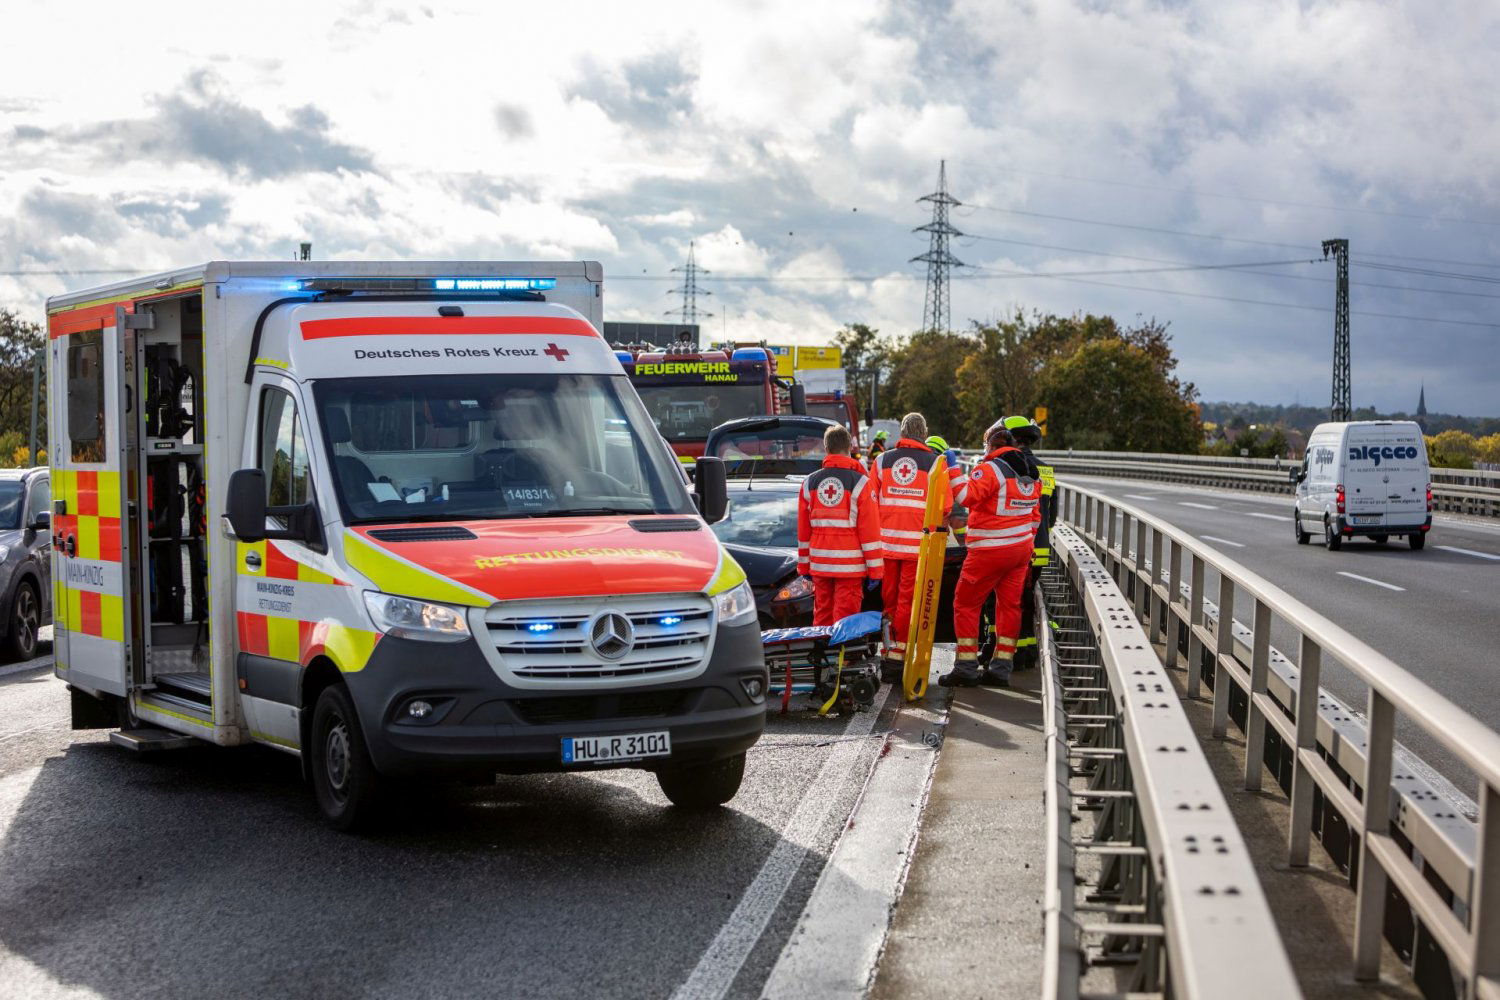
[1338, 498]
[1429, 498]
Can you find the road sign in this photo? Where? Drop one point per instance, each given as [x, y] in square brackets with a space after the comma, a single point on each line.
[1041, 419]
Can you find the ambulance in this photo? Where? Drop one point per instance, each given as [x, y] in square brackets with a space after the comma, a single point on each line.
[397, 519]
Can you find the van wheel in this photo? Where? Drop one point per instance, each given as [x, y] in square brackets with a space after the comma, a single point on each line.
[25, 620]
[702, 786]
[1331, 537]
[1302, 536]
[344, 778]
[1417, 540]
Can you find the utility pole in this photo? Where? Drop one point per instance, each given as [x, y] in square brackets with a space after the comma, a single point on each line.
[936, 311]
[304, 251]
[689, 290]
[1340, 409]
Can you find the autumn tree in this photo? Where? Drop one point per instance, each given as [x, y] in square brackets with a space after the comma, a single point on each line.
[1112, 394]
[923, 373]
[20, 342]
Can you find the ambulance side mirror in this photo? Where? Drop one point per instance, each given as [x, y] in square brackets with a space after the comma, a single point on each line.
[246, 512]
[799, 399]
[711, 489]
[246, 507]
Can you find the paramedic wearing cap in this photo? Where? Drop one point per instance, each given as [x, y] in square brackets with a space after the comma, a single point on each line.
[901, 476]
[838, 530]
[1028, 435]
[1002, 502]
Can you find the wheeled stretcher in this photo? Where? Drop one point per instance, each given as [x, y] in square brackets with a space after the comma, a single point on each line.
[838, 665]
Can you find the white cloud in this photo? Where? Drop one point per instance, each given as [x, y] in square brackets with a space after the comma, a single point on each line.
[791, 140]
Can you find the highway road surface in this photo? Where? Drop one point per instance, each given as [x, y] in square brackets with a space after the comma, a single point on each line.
[207, 873]
[1435, 612]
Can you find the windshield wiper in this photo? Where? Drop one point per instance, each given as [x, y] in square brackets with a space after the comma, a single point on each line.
[594, 511]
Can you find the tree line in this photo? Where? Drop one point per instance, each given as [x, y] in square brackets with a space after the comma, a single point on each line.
[1106, 386]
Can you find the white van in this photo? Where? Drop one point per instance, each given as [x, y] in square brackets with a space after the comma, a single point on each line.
[1367, 477]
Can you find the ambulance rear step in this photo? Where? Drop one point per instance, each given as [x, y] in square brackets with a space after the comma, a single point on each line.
[150, 738]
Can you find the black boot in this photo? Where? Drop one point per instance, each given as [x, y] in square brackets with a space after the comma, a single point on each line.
[960, 676]
[1026, 658]
[996, 676]
[891, 671]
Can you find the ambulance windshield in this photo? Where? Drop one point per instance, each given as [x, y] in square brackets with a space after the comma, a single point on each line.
[457, 447]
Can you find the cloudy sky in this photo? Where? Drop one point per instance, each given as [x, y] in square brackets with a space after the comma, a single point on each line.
[791, 141]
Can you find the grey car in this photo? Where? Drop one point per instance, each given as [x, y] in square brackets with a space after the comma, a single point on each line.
[25, 559]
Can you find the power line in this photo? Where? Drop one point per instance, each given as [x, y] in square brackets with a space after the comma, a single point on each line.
[690, 292]
[1215, 236]
[1255, 302]
[1247, 269]
[1389, 213]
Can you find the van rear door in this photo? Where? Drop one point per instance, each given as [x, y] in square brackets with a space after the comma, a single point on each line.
[1405, 475]
[1364, 493]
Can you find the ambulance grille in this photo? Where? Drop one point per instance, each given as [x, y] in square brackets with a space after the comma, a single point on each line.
[555, 645]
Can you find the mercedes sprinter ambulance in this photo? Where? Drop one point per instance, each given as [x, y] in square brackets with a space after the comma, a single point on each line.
[1365, 477]
[396, 519]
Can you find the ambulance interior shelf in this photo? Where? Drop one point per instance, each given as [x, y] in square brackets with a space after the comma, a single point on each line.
[175, 522]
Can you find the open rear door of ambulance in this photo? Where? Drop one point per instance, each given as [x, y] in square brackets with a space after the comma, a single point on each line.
[93, 568]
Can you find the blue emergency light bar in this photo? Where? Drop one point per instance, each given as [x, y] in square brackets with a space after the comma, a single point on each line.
[494, 284]
[497, 284]
[624, 358]
[540, 627]
[750, 354]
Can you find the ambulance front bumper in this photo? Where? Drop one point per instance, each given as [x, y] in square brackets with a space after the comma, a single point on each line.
[478, 725]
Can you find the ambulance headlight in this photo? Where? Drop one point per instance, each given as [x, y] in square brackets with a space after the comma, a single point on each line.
[736, 606]
[405, 618]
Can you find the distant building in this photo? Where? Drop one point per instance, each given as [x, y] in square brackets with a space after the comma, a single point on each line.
[1422, 408]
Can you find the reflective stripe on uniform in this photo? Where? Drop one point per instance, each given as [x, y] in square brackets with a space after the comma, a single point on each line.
[830, 522]
[837, 553]
[997, 543]
[913, 550]
[839, 569]
[892, 501]
[897, 533]
[1015, 531]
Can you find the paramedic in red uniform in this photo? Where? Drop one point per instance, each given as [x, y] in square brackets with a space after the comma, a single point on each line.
[1002, 501]
[900, 476]
[838, 530]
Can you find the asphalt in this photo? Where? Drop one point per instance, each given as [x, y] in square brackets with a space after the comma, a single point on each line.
[206, 872]
[1436, 612]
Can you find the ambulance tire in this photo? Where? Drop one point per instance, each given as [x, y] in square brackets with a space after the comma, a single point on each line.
[702, 786]
[344, 779]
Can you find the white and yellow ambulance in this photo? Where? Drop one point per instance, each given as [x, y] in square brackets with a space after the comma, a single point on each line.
[397, 519]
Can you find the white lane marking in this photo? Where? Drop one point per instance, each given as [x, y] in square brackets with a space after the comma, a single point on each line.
[1468, 552]
[1366, 579]
[833, 952]
[725, 956]
[1222, 541]
[1268, 517]
[1200, 506]
[1139, 496]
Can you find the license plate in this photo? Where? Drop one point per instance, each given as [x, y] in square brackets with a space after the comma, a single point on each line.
[1365, 519]
[630, 746]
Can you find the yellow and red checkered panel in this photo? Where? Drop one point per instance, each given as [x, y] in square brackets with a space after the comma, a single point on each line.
[312, 627]
[91, 603]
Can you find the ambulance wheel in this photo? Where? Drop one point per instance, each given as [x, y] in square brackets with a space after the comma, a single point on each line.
[1331, 537]
[344, 778]
[25, 620]
[1417, 540]
[1302, 536]
[702, 786]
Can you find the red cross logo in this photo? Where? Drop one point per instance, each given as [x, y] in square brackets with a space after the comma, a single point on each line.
[554, 351]
[830, 492]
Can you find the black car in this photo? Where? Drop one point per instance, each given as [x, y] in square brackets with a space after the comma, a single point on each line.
[25, 559]
[783, 445]
[760, 531]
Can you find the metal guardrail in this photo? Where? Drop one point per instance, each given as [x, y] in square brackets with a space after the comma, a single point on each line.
[1456, 491]
[1169, 894]
[1458, 910]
